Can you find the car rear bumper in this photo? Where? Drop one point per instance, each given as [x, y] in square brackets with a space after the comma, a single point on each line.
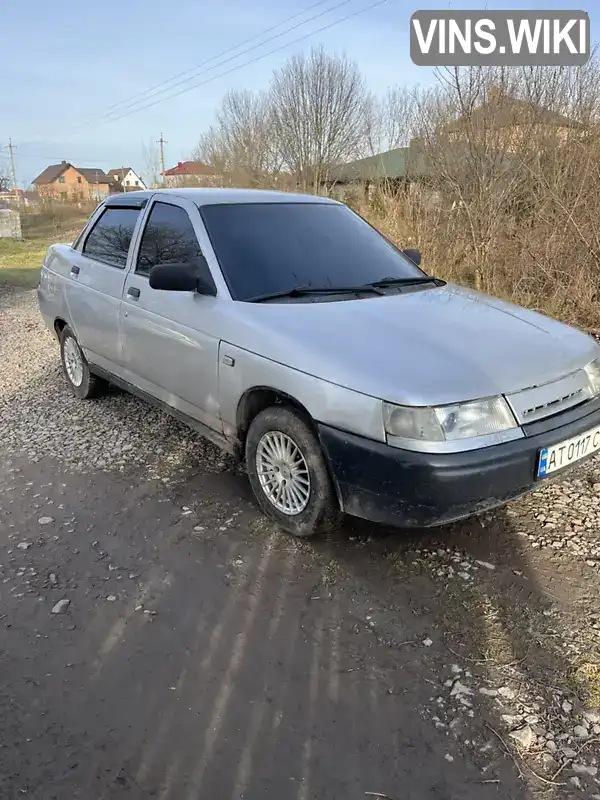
[409, 489]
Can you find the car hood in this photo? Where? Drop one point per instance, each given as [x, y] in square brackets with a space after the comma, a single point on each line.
[423, 347]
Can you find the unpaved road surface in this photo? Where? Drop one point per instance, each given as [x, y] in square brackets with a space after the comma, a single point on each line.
[158, 639]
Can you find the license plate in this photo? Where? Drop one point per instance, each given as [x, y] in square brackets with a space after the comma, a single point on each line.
[568, 452]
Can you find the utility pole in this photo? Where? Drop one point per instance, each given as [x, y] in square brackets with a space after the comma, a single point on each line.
[14, 172]
[162, 144]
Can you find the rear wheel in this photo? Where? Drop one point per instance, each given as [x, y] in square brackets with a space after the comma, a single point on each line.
[82, 383]
[288, 474]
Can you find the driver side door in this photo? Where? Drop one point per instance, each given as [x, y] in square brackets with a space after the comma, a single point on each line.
[170, 338]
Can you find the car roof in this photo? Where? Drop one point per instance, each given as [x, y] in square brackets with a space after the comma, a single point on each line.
[210, 196]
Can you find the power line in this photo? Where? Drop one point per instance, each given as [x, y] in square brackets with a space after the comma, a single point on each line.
[246, 63]
[109, 117]
[140, 96]
[196, 72]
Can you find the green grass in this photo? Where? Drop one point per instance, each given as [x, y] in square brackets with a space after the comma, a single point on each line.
[21, 260]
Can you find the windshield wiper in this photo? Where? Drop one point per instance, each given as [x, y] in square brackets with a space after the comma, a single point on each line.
[391, 281]
[305, 291]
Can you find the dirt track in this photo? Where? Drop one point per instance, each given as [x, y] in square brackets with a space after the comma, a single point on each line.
[202, 654]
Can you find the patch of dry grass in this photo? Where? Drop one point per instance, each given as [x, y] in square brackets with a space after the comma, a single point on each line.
[526, 264]
[585, 679]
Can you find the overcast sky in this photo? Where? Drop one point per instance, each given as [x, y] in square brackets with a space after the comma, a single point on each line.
[67, 64]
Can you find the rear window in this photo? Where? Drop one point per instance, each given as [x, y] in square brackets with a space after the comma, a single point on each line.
[110, 238]
[274, 247]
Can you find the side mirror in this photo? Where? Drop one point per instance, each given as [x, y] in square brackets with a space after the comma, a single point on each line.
[414, 255]
[185, 277]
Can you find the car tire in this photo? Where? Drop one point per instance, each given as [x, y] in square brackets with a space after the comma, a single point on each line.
[288, 474]
[82, 382]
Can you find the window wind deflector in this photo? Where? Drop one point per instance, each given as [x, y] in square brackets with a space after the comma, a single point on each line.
[305, 291]
[122, 201]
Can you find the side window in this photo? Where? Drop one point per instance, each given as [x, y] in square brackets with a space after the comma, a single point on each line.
[110, 237]
[168, 238]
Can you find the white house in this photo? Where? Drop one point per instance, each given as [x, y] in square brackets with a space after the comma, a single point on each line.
[129, 180]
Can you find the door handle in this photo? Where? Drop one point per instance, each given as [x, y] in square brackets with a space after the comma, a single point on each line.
[74, 270]
[133, 292]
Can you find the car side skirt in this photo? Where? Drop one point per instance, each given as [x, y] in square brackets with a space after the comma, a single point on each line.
[228, 446]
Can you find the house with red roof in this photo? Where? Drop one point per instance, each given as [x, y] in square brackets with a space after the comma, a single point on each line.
[191, 173]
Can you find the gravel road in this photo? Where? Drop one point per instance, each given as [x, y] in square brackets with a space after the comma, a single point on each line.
[159, 639]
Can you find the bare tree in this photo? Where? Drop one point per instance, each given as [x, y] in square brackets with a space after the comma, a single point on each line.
[320, 114]
[502, 178]
[475, 135]
[151, 163]
[241, 143]
[514, 154]
[392, 120]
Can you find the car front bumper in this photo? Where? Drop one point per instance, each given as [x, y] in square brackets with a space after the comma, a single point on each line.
[410, 489]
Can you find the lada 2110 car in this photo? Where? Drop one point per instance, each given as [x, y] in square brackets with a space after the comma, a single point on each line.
[290, 332]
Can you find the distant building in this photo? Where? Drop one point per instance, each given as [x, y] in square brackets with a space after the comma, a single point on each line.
[508, 123]
[394, 169]
[69, 183]
[128, 178]
[191, 173]
[20, 199]
[390, 165]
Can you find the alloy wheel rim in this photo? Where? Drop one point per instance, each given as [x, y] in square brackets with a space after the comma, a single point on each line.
[283, 473]
[73, 361]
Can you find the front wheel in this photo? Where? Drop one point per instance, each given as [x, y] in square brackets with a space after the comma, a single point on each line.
[82, 383]
[288, 474]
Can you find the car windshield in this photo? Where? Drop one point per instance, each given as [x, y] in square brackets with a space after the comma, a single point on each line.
[270, 248]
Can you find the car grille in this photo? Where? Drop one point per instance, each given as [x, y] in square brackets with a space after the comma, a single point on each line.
[540, 402]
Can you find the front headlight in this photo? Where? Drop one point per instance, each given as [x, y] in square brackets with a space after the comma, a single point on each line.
[593, 373]
[448, 423]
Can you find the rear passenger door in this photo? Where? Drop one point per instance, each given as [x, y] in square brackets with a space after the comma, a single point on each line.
[171, 339]
[95, 283]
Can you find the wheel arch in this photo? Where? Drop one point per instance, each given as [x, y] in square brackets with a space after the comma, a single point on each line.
[59, 325]
[325, 507]
[257, 398]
